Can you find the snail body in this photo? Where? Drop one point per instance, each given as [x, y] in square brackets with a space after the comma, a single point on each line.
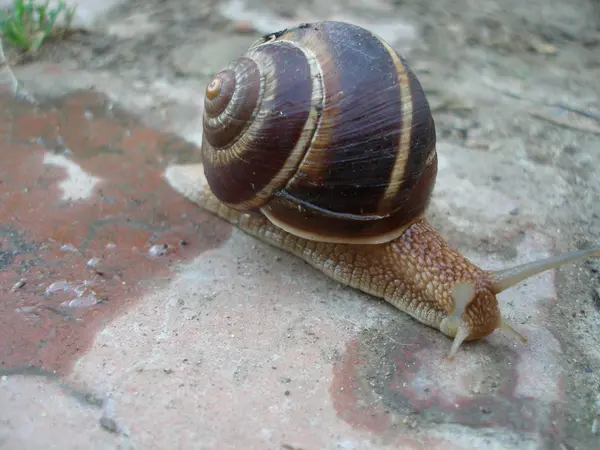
[319, 140]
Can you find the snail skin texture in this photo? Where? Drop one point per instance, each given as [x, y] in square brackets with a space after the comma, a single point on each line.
[319, 140]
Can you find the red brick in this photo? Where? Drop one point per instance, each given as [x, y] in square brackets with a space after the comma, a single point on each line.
[35, 126]
[45, 239]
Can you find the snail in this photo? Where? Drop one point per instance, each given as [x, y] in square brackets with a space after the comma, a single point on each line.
[320, 141]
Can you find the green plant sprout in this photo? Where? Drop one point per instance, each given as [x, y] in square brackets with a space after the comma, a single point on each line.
[27, 25]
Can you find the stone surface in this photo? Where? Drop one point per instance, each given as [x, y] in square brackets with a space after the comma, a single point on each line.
[266, 19]
[203, 61]
[39, 413]
[205, 56]
[175, 107]
[225, 342]
[226, 325]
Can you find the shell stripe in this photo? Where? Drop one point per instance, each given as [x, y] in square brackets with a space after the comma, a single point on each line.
[356, 146]
[307, 136]
[395, 182]
[317, 46]
[255, 162]
[419, 175]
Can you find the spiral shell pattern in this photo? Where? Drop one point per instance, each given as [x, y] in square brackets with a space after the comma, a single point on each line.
[325, 130]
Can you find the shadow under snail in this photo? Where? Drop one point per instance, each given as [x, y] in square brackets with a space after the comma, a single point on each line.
[319, 140]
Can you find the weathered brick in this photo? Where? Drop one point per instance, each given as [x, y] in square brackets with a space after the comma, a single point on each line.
[47, 240]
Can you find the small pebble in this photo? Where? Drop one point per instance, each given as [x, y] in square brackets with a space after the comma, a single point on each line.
[81, 302]
[93, 262]
[58, 286]
[19, 284]
[68, 248]
[158, 250]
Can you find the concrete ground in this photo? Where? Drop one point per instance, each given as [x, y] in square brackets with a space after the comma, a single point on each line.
[131, 319]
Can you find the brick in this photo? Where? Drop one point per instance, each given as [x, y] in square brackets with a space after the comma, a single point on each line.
[47, 240]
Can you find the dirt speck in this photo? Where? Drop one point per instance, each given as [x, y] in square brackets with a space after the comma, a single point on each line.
[109, 424]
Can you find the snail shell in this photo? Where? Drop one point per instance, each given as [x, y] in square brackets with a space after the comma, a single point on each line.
[324, 129]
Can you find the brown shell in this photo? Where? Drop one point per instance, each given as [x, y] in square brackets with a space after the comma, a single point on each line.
[325, 130]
